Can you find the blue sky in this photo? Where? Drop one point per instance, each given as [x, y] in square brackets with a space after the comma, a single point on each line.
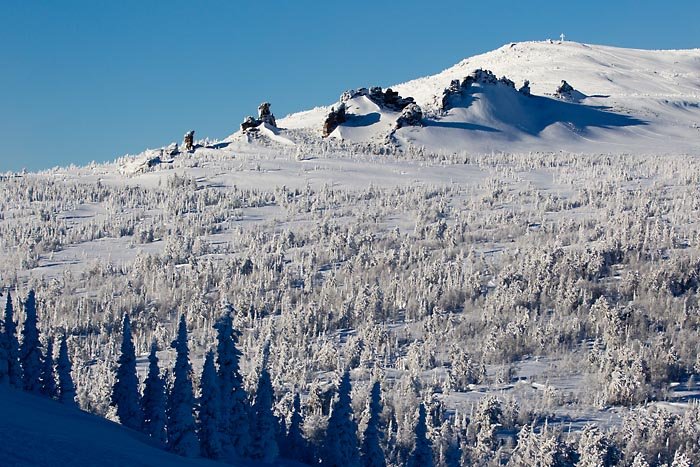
[93, 80]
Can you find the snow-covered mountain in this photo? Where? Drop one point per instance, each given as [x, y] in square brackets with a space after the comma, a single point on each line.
[625, 100]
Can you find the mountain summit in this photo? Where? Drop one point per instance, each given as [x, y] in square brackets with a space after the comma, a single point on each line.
[530, 96]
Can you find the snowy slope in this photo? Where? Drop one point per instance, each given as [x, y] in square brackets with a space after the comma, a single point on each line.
[632, 101]
[39, 432]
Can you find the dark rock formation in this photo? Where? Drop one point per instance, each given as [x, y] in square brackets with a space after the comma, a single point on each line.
[188, 142]
[388, 99]
[525, 88]
[334, 118]
[458, 88]
[412, 115]
[264, 116]
[564, 90]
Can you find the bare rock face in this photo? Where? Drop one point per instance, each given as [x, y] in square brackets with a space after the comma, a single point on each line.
[564, 90]
[412, 115]
[188, 141]
[265, 115]
[458, 88]
[388, 99]
[334, 119]
[525, 88]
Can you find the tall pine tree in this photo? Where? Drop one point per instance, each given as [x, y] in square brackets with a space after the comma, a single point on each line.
[371, 449]
[14, 369]
[235, 409]
[264, 427]
[209, 410]
[153, 399]
[65, 379]
[422, 454]
[340, 446]
[30, 349]
[48, 375]
[182, 433]
[125, 392]
[295, 446]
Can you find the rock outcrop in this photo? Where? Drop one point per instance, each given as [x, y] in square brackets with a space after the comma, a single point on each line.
[388, 99]
[412, 115]
[525, 88]
[565, 90]
[264, 116]
[458, 88]
[334, 119]
[188, 141]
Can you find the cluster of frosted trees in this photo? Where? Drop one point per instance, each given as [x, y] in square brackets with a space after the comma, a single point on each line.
[23, 363]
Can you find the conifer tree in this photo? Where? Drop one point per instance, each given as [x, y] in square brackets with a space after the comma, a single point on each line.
[182, 436]
[209, 410]
[153, 399]
[4, 356]
[422, 454]
[371, 449]
[125, 392]
[340, 446]
[30, 349]
[264, 424]
[14, 369]
[235, 409]
[295, 446]
[48, 375]
[65, 379]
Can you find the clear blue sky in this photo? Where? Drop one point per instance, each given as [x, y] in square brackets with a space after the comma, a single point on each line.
[93, 80]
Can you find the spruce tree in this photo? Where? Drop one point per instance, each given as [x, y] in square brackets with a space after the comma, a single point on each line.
[295, 446]
[235, 409]
[14, 369]
[182, 435]
[340, 446]
[264, 425]
[30, 349]
[209, 410]
[48, 375]
[65, 379]
[153, 399]
[422, 454]
[371, 449]
[4, 356]
[125, 392]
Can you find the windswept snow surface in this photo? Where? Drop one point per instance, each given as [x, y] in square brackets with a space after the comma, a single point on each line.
[631, 101]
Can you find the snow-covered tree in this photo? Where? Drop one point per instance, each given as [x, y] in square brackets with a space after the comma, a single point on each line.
[182, 435]
[30, 349]
[153, 399]
[295, 446]
[264, 423]
[340, 445]
[422, 453]
[125, 392]
[371, 449]
[235, 409]
[14, 369]
[209, 410]
[65, 379]
[48, 375]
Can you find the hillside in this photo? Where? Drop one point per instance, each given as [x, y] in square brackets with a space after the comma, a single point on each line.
[627, 100]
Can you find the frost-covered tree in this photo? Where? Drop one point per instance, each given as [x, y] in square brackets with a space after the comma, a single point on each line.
[235, 424]
[153, 399]
[209, 410]
[30, 349]
[295, 446]
[371, 449]
[422, 453]
[48, 375]
[65, 378]
[125, 392]
[9, 332]
[340, 445]
[264, 423]
[182, 433]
